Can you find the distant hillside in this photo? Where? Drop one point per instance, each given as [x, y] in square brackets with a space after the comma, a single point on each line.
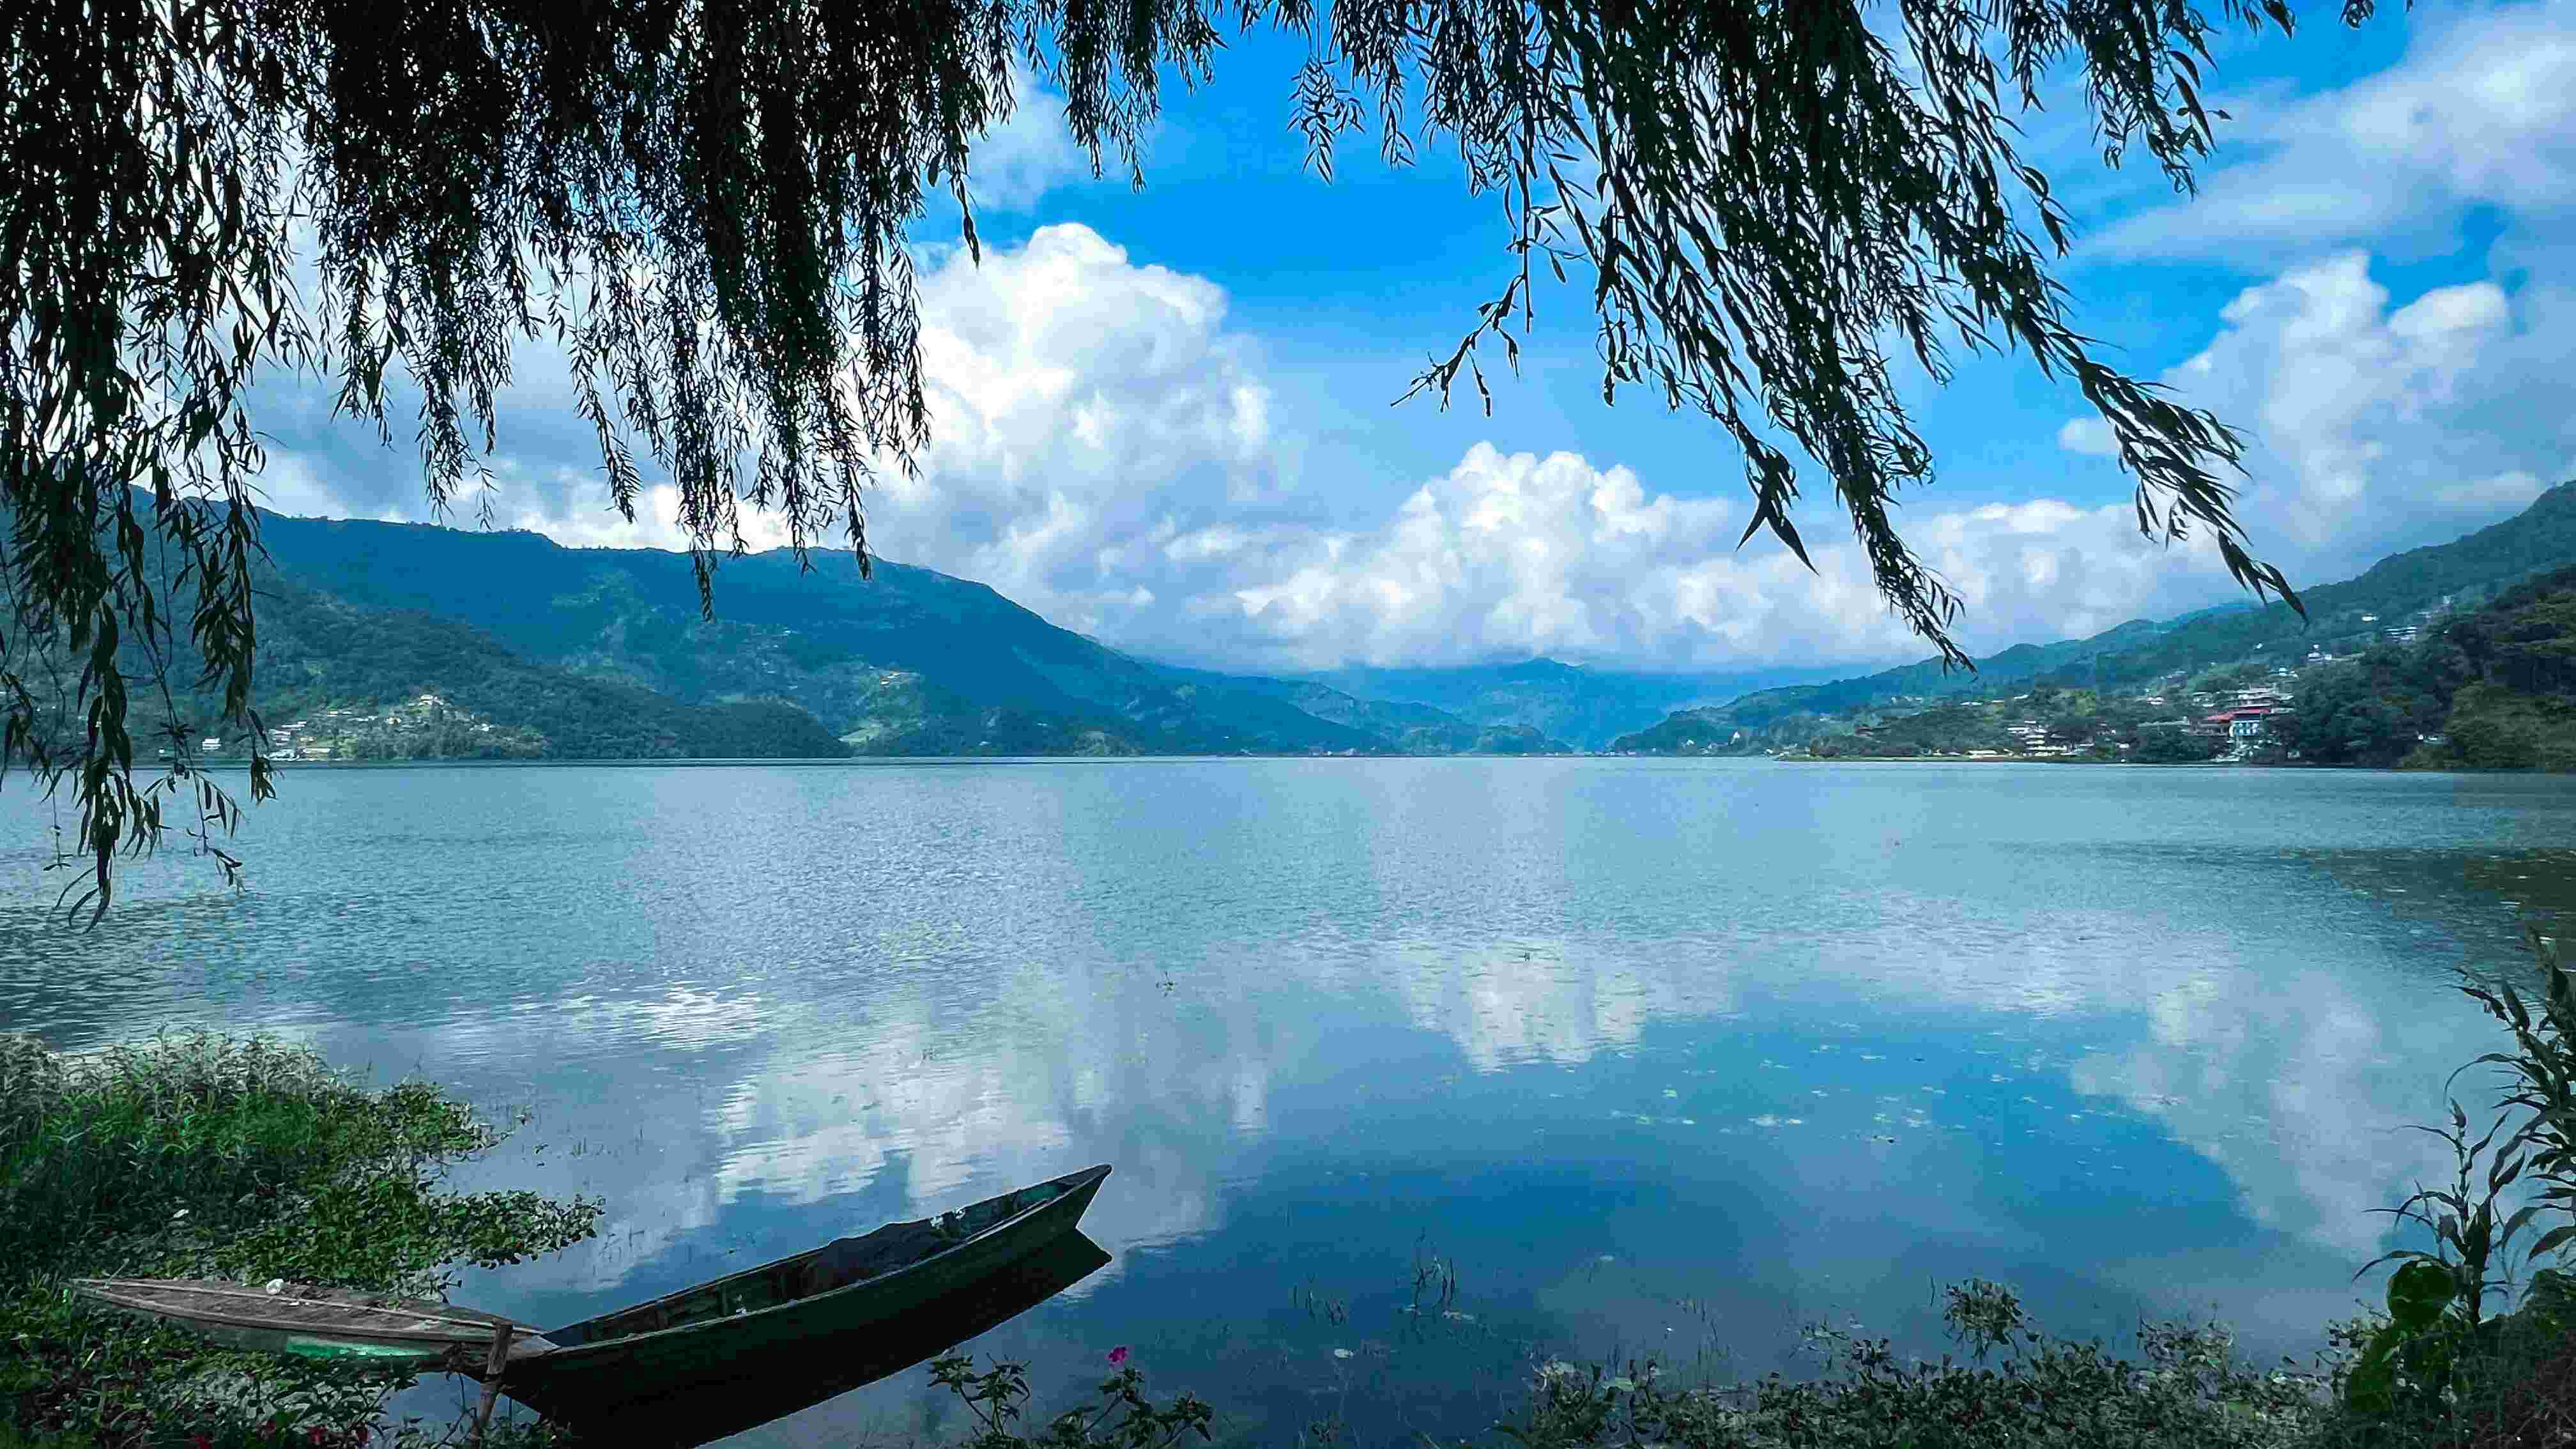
[2341, 618]
[1587, 707]
[345, 681]
[2461, 574]
[1411, 729]
[2516, 706]
[910, 662]
[2495, 689]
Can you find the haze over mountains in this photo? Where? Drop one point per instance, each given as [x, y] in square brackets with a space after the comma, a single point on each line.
[531, 649]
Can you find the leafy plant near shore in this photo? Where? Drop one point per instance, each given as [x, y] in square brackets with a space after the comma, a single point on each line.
[2437, 1367]
[2021, 1390]
[1123, 1419]
[201, 1157]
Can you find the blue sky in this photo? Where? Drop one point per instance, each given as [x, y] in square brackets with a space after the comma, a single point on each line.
[1163, 415]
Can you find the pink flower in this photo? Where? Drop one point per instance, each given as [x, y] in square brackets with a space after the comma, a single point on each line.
[1117, 1355]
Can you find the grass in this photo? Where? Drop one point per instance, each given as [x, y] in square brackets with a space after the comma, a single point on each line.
[202, 1157]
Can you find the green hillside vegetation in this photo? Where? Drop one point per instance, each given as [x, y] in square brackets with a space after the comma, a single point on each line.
[1405, 727]
[1904, 726]
[2460, 574]
[908, 662]
[413, 641]
[2495, 689]
[319, 655]
[2519, 712]
[2070, 723]
[2133, 658]
[1954, 728]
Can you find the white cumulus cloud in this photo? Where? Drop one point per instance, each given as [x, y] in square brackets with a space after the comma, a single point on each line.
[1109, 453]
[1510, 554]
[2377, 427]
[1105, 452]
[2482, 111]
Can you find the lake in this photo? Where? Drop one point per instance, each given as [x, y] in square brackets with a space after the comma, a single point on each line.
[1414, 1072]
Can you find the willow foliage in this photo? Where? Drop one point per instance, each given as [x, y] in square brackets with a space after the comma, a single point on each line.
[705, 203]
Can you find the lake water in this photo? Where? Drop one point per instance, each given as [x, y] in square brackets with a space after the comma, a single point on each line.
[1649, 1056]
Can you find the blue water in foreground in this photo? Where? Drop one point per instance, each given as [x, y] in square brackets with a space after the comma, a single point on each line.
[1661, 1057]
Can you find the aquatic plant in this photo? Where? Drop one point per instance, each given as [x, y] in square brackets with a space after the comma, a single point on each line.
[2188, 1391]
[1124, 1418]
[2541, 1072]
[201, 1156]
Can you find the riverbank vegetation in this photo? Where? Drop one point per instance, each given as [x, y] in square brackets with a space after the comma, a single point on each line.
[201, 1157]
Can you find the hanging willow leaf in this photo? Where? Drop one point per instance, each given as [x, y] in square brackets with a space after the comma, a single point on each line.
[708, 205]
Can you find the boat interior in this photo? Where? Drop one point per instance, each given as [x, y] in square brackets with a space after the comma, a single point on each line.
[835, 1265]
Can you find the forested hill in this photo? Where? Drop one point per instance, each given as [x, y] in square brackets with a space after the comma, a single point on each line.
[348, 682]
[2456, 575]
[523, 646]
[2495, 689]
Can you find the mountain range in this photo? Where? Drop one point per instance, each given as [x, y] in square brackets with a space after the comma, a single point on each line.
[404, 640]
[401, 640]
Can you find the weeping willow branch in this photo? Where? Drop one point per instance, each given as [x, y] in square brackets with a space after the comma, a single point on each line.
[706, 203]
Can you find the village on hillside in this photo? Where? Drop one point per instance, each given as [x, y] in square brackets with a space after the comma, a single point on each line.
[425, 725]
[2227, 714]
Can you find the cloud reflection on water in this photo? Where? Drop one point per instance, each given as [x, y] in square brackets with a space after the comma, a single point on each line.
[2291, 1085]
[1384, 962]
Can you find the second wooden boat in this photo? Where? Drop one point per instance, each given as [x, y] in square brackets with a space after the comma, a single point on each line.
[716, 1332]
[313, 1322]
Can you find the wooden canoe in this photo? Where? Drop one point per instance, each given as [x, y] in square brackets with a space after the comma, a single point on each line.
[320, 1322]
[727, 1330]
[825, 1365]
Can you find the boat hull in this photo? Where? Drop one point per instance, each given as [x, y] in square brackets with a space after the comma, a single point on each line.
[578, 1381]
[827, 1365]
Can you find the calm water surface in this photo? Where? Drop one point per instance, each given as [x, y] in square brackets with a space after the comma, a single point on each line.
[1663, 1057]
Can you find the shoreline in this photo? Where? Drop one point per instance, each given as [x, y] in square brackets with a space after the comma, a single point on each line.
[237, 762]
[2127, 764]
